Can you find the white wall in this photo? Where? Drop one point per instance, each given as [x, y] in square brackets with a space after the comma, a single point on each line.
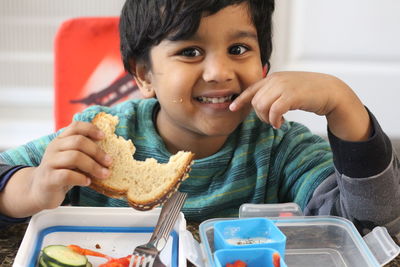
[27, 30]
[356, 40]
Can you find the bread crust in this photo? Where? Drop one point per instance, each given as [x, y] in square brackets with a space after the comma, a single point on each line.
[161, 198]
[122, 152]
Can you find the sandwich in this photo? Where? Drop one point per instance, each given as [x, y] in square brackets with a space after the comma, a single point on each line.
[144, 184]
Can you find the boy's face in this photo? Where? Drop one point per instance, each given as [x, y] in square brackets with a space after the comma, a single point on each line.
[196, 79]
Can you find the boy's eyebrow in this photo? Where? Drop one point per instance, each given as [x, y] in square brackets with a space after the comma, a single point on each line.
[244, 34]
[232, 36]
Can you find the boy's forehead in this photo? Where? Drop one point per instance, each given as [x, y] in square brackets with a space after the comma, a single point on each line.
[234, 20]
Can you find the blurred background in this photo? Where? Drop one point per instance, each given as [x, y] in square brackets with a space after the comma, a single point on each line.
[355, 40]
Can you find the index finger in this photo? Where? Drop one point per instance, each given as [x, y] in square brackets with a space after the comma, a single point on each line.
[83, 128]
[244, 98]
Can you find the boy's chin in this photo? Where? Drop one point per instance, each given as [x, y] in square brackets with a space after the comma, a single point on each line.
[220, 130]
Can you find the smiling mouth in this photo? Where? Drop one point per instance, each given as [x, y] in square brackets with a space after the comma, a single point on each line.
[216, 100]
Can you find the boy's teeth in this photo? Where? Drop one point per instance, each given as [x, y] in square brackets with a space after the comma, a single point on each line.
[214, 100]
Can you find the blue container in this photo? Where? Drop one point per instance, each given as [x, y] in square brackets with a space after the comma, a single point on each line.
[257, 257]
[249, 233]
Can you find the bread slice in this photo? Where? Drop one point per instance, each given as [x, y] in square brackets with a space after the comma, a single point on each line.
[145, 184]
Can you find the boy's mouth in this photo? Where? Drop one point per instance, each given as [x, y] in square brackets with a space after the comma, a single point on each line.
[216, 100]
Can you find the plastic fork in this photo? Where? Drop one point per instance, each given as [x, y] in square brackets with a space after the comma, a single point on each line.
[147, 255]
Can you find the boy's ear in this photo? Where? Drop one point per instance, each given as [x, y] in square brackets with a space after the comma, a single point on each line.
[266, 69]
[143, 78]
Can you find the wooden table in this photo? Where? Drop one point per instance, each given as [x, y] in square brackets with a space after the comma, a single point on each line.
[11, 237]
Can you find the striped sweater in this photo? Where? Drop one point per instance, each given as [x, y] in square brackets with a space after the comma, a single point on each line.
[257, 164]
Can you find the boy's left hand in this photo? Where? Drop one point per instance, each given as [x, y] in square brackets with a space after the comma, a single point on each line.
[319, 93]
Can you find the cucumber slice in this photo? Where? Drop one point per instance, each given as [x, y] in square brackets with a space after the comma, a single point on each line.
[50, 264]
[41, 262]
[63, 256]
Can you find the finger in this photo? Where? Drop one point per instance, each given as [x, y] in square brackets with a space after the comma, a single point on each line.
[82, 128]
[262, 102]
[281, 106]
[73, 159]
[85, 145]
[245, 97]
[68, 178]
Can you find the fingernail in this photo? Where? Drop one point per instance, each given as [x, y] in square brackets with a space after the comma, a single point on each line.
[88, 181]
[100, 134]
[107, 158]
[105, 172]
[233, 106]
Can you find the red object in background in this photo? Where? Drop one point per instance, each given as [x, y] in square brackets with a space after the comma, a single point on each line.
[87, 60]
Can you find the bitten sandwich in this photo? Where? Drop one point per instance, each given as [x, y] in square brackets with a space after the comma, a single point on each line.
[145, 184]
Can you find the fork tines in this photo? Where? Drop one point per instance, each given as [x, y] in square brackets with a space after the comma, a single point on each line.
[147, 254]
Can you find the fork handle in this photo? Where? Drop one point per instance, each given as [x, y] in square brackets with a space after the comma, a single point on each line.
[166, 220]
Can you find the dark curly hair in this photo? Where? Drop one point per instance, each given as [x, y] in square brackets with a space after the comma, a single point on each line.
[145, 23]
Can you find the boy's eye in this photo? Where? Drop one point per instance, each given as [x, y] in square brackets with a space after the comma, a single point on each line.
[190, 52]
[237, 49]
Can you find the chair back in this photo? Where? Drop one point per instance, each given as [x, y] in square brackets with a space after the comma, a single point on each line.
[88, 67]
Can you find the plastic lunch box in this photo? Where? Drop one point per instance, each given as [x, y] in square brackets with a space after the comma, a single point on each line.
[112, 231]
[311, 240]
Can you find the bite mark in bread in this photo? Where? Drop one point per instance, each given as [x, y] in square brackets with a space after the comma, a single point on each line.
[144, 184]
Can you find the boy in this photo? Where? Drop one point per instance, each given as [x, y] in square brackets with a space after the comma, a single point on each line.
[200, 65]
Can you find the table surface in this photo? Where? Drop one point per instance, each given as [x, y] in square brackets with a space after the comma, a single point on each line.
[11, 237]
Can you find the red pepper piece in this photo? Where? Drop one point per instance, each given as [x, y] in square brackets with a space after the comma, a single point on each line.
[239, 263]
[120, 262]
[276, 259]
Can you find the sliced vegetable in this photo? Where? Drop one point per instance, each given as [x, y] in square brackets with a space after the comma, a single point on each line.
[41, 262]
[88, 252]
[119, 262]
[276, 259]
[63, 256]
[237, 263]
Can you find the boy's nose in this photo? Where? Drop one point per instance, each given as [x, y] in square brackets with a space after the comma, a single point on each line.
[218, 69]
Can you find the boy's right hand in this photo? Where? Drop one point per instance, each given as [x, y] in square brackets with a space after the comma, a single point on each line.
[70, 159]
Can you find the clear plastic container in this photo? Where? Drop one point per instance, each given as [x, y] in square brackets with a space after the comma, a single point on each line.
[314, 241]
[311, 241]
